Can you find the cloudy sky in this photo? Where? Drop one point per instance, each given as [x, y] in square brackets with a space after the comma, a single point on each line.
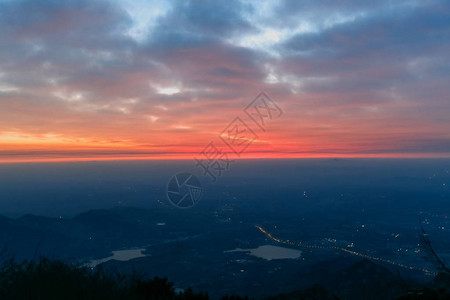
[162, 79]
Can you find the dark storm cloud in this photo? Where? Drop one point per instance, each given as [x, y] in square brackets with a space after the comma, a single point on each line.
[387, 48]
[383, 33]
[63, 41]
[190, 41]
[58, 30]
[212, 18]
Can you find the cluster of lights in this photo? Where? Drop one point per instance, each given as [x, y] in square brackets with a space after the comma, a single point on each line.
[345, 250]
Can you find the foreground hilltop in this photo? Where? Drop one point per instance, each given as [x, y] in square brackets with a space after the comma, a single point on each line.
[52, 279]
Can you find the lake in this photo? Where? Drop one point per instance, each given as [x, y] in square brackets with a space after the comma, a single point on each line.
[121, 255]
[270, 252]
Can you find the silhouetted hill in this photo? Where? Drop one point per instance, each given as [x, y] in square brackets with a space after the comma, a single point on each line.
[367, 280]
[316, 292]
[92, 234]
[4, 220]
[438, 288]
[189, 249]
[39, 223]
[53, 279]
[361, 280]
[96, 218]
[441, 283]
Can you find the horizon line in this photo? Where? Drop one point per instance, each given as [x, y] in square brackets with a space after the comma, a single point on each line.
[169, 157]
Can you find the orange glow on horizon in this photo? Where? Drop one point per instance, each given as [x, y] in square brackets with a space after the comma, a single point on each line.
[23, 148]
[175, 156]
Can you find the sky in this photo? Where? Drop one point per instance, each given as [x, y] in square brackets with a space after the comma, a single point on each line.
[163, 79]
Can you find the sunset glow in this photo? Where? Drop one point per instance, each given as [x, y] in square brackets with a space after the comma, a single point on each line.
[99, 80]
